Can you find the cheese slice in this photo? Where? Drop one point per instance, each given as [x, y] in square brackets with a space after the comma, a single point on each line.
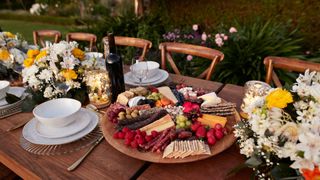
[212, 120]
[166, 91]
[159, 125]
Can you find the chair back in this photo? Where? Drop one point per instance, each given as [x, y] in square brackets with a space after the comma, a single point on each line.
[289, 64]
[168, 47]
[40, 34]
[80, 36]
[143, 44]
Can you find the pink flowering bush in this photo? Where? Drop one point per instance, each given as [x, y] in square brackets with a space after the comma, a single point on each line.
[244, 46]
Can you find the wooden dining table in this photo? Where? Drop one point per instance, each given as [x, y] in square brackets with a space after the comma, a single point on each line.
[105, 162]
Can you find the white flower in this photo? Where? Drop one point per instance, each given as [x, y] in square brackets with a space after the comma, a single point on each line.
[195, 27]
[302, 164]
[219, 42]
[247, 147]
[310, 145]
[69, 62]
[204, 36]
[45, 75]
[315, 91]
[48, 92]
[288, 150]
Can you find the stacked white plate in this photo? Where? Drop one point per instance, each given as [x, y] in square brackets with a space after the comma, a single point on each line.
[7, 109]
[38, 133]
[158, 78]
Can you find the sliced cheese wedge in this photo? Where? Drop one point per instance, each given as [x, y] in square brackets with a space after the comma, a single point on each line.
[166, 91]
[159, 125]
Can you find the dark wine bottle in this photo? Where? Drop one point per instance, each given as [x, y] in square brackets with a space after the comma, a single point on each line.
[114, 68]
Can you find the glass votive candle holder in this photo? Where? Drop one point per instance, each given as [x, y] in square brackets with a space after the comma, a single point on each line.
[253, 89]
[99, 85]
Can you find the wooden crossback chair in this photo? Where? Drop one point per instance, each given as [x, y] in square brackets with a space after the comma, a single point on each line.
[143, 44]
[289, 64]
[40, 34]
[195, 50]
[80, 36]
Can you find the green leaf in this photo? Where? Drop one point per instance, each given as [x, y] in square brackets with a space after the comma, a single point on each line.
[28, 104]
[253, 161]
[283, 170]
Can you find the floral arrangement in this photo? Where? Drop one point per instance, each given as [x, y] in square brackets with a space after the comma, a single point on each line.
[281, 137]
[57, 71]
[188, 64]
[12, 50]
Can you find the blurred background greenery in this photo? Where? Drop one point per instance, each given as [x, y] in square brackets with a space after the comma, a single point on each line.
[265, 27]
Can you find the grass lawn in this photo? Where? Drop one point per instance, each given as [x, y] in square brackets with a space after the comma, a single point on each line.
[25, 28]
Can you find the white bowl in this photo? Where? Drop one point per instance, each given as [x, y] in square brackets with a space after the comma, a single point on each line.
[57, 112]
[153, 67]
[4, 88]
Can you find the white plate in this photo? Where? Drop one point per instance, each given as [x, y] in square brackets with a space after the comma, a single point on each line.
[30, 134]
[148, 80]
[164, 76]
[82, 121]
[17, 91]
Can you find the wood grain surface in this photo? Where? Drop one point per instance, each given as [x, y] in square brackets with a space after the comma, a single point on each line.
[214, 168]
[103, 163]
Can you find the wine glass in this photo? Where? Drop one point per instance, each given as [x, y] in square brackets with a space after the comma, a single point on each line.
[139, 69]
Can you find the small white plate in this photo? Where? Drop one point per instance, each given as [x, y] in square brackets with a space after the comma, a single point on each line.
[30, 134]
[82, 121]
[17, 91]
[164, 76]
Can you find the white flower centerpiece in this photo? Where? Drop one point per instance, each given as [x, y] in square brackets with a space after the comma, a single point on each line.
[281, 137]
[57, 71]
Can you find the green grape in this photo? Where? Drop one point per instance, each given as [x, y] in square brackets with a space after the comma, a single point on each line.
[188, 123]
[182, 124]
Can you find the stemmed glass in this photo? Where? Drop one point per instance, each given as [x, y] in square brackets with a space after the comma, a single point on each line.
[139, 69]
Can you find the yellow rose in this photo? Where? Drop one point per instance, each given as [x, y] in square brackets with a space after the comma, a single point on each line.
[9, 35]
[32, 53]
[69, 74]
[28, 62]
[41, 55]
[4, 54]
[279, 98]
[78, 53]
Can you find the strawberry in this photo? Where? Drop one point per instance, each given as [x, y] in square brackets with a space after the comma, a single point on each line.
[218, 134]
[137, 136]
[125, 129]
[195, 126]
[210, 133]
[201, 132]
[127, 142]
[218, 126]
[121, 135]
[134, 144]
[141, 141]
[149, 138]
[154, 133]
[212, 140]
[143, 133]
[138, 131]
[129, 135]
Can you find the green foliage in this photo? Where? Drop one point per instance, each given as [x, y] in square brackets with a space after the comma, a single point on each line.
[245, 51]
[150, 27]
[40, 19]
